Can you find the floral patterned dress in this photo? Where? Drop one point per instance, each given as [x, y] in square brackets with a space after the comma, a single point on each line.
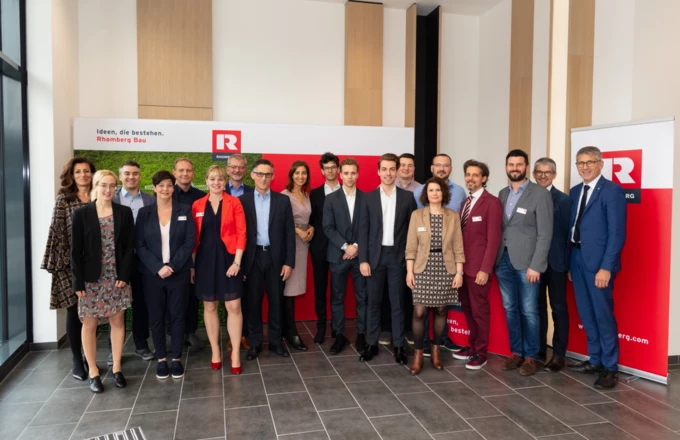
[102, 298]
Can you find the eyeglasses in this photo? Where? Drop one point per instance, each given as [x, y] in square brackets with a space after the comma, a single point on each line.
[441, 165]
[544, 173]
[265, 175]
[588, 164]
[330, 168]
[105, 186]
[236, 167]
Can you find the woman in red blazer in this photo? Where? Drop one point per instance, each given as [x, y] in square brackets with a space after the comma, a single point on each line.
[220, 242]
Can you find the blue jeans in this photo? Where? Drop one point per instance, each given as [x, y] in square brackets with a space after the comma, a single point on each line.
[520, 300]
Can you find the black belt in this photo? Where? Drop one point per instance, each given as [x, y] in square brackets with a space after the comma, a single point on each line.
[262, 248]
[576, 245]
[435, 250]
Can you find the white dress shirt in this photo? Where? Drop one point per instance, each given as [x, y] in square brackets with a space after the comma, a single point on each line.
[591, 190]
[327, 189]
[351, 200]
[389, 211]
[475, 196]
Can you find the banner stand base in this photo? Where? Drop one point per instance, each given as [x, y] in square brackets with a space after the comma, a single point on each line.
[632, 371]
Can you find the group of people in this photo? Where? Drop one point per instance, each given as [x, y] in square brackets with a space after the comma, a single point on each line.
[430, 246]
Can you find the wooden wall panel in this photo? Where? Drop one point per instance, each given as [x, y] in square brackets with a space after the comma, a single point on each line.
[579, 72]
[411, 26]
[363, 63]
[174, 53]
[178, 113]
[521, 74]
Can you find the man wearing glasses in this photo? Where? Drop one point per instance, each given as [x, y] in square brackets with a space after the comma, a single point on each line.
[597, 234]
[330, 167]
[269, 257]
[441, 167]
[236, 169]
[554, 279]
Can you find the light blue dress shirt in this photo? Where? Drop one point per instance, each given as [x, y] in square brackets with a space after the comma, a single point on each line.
[262, 205]
[135, 203]
[457, 196]
[236, 192]
[513, 198]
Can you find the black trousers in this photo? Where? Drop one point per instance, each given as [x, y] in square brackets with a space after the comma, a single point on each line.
[172, 295]
[556, 284]
[386, 315]
[140, 313]
[263, 275]
[339, 273]
[320, 272]
[192, 313]
[395, 273]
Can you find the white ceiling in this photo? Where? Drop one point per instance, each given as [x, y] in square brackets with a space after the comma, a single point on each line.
[463, 7]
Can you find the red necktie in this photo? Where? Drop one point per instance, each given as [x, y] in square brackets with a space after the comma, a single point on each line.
[466, 211]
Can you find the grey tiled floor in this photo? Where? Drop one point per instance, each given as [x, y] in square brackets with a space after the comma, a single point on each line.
[315, 395]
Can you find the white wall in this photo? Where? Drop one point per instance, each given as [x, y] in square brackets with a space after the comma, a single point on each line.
[539, 86]
[459, 92]
[107, 49]
[494, 91]
[278, 62]
[394, 67]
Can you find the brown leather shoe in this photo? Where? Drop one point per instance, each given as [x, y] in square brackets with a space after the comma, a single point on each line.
[528, 367]
[245, 343]
[417, 364]
[436, 360]
[555, 365]
[512, 362]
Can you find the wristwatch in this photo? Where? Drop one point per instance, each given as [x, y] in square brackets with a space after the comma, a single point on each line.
[460, 273]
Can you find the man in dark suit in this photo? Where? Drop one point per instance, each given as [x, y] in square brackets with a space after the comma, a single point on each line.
[554, 279]
[481, 218]
[341, 216]
[269, 257]
[330, 166]
[382, 243]
[236, 169]
[522, 257]
[598, 232]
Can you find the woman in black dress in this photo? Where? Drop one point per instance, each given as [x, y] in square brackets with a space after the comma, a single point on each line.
[221, 239]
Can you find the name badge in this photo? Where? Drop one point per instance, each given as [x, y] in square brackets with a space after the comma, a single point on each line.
[477, 218]
[182, 218]
[200, 214]
[422, 229]
[521, 210]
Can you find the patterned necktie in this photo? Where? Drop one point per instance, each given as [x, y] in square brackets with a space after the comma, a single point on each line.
[466, 211]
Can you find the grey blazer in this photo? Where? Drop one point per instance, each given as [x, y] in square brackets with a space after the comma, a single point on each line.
[528, 236]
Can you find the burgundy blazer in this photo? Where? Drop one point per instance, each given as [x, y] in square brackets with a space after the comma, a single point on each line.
[482, 234]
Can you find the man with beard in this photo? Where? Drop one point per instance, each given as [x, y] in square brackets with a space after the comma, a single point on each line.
[441, 167]
[522, 257]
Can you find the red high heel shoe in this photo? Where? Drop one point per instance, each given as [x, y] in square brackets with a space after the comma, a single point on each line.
[216, 365]
[235, 370]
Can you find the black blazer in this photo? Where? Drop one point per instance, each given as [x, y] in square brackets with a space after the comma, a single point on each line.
[182, 239]
[558, 258]
[86, 244]
[281, 231]
[337, 226]
[319, 243]
[246, 189]
[371, 226]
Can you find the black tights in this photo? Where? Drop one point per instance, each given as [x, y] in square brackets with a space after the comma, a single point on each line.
[420, 314]
[74, 329]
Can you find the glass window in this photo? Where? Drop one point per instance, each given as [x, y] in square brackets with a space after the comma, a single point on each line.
[11, 33]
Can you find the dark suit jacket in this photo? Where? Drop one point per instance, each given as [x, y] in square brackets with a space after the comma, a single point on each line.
[371, 226]
[482, 234]
[86, 244]
[337, 226]
[319, 243]
[281, 231]
[148, 238]
[246, 189]
[603, 225]
[558, 258]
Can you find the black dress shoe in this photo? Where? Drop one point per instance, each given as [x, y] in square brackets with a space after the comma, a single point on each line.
[297, 343]
[586, 367]
[369, 353]
[339, 344]
[279, 350]
[607, 380]
[320, 335]
[78, 369]
[555, 365]
[334, 334]
[400, 356]
[360, 344]
[254, 352]
[119, 380]
[96, 385]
